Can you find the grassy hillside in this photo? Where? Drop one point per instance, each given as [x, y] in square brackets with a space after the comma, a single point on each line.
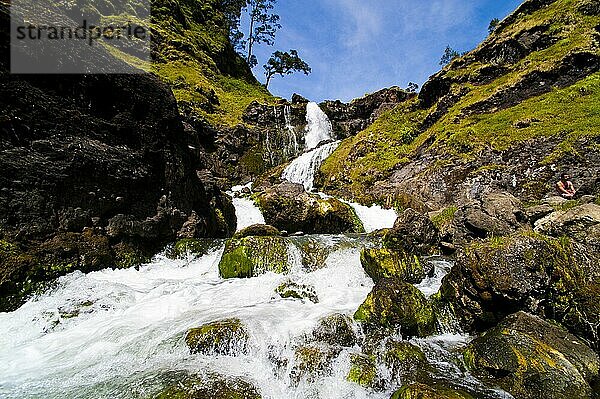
[534, 78]
[192, 53]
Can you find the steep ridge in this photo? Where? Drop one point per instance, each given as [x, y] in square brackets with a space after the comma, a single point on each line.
[508, 115]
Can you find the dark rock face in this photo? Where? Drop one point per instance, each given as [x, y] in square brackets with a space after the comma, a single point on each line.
[349, 119]
[288, 207]
[414, 233]
[531, 358]
[105, 152]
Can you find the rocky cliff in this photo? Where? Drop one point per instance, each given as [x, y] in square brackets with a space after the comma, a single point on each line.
[96, 171]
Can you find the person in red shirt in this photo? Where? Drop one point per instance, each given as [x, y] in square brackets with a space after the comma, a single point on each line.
[565, 186]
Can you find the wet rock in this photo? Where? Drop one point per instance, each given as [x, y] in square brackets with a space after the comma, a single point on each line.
[224, 337]
[414, 233]
[288, 207]
[589, 7]
[335, 330]
[395, 304]
[292, 289]
[363, 370]
[531, 358]
[422, 391]
[252, 256]
[312, 361]
[381, 263]
[210, 386]
[257, 230]
[405, 360]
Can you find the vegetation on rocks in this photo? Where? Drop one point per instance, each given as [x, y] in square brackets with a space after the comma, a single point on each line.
[210, 386]
[252, 256]
[383, 263]
[422, 391]
[224, 337]
[394, 304]
[534, 79]
[531, 358]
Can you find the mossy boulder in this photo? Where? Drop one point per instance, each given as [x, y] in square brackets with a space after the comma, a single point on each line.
[405, 360]
[363, 370]
[312, 361]
[258, 230]
[395, 304]
[288, 207]
[335, 330]
[422, 391]
[252, 256]
[531, 358]
[210, 386]
[223, 337]
[381, 263]
[503, 275]
[292, 289]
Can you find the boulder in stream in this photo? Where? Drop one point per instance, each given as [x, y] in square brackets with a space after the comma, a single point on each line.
[395, 304]
[292, 289]
[258, 230]
[533, 359]
[384, 263]
[289, 207]
[210, 386]
[223, 337]
[413, 233]
[312, 361]
[335, 330]
[251, 256]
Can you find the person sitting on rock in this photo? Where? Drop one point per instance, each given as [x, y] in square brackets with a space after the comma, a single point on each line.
[565, 186]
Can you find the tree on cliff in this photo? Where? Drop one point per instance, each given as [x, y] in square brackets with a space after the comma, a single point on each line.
[263, 24]
[284, 63]
[449, 55]
[493, 25]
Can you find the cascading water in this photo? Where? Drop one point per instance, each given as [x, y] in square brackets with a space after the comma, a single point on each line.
[318, 127]
[246, 211]
[318, 130]
[302, 169]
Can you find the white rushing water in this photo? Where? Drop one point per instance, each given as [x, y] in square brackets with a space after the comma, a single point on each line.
[302, 169]
[117, 333]
[318, 127]
[98, 332]
[246, 211]
[374, 217]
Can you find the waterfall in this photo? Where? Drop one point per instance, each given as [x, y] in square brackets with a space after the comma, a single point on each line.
[302, 169]
[318, 130]
[318, 127]
[246, 211]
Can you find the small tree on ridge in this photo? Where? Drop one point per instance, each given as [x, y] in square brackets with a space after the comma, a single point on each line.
[284, 63]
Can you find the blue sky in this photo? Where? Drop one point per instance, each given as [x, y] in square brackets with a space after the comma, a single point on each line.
[359, 46]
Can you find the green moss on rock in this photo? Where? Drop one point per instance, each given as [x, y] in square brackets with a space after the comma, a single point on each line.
[252, 256]
[381, 263]
[363, 370]
[422, 391]
[312, 361]
[530, 358]
[193, 246]
[210, 386]
[224, 337]
[395, 304]
[291, 289]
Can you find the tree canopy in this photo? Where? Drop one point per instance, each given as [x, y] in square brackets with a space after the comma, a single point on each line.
[284, 63]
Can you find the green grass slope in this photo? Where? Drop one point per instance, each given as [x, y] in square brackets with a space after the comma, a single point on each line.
[535, 78]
